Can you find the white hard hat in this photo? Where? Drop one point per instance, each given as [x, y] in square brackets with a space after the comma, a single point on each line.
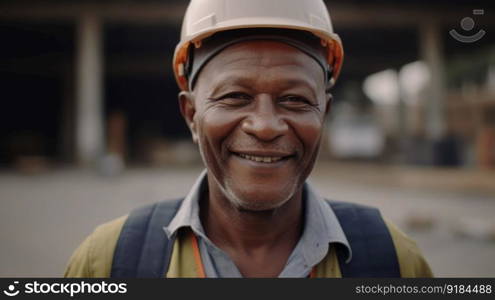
[204, 18]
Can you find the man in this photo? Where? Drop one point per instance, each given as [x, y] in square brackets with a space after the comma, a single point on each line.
[255, 79]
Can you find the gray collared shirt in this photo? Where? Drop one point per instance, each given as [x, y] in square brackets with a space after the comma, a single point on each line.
[321, 228]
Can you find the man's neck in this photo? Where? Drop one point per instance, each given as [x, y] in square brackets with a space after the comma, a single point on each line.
[253, 236]
[252, 229]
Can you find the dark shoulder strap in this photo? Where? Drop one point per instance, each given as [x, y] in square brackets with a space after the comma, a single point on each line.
[143, 249]
[373, 251]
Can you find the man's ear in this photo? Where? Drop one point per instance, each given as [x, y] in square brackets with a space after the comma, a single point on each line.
[188, 111]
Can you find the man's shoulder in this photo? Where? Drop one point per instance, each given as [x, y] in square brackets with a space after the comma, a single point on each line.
[411, 260]
[93, 258]
[349, 206]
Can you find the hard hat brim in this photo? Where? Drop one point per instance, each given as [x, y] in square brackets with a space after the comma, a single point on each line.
[330, 40]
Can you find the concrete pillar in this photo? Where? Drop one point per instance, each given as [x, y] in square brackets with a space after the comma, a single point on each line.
[89, 93]
[432, 53]
[402, 128]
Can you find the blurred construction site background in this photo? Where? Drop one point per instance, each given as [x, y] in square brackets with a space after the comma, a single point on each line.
[90, 126]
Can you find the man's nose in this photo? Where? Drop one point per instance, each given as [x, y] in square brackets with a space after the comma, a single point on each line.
[264, 122]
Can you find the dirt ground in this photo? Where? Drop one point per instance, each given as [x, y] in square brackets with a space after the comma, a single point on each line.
[449, 213]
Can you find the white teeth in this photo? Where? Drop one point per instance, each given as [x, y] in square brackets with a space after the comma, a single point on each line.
[264, 159]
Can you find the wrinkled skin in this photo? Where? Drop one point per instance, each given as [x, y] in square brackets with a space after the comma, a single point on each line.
[258, 98]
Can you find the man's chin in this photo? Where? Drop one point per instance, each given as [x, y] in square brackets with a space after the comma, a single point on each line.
[257, 201]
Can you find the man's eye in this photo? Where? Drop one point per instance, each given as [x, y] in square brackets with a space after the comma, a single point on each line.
[235, 95]
[295, 100]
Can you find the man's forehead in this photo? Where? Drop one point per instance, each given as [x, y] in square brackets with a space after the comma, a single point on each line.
[284, 81]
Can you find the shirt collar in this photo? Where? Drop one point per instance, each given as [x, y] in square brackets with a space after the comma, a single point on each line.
[188, 213]
[321, 226]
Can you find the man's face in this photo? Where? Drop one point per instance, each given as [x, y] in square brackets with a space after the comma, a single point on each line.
[257, 113]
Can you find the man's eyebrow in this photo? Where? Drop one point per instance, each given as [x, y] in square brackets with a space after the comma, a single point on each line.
[223, 82]
[232, 79]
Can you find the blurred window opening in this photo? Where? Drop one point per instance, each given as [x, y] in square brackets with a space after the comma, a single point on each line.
[382, 87]
[413, 79]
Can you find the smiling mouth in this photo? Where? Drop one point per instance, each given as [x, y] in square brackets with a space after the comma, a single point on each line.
[262, 159]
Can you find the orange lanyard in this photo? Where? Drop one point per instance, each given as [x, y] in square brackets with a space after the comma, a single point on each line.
[313, 273]
[199, 262]
[197, 256]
